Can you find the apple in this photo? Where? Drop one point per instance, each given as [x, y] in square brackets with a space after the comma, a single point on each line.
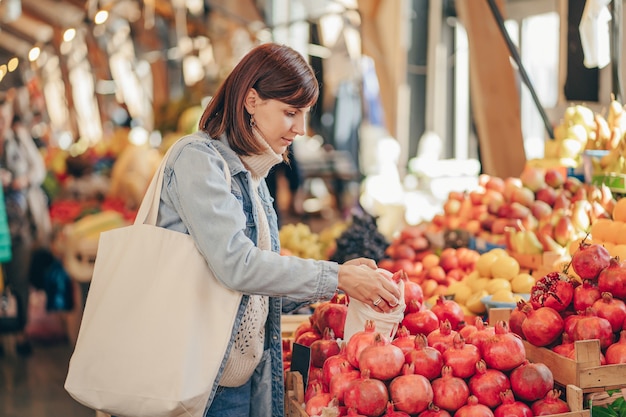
[533, 178]
[511, 184]
[494, 206]
[500, 224]
[495, 183]
[572, 184]
[476, 197]
[579, 195]
[553, 177]
[546, 194]
[564, 230]
[561, 201]
[525, 196]
[478, 212]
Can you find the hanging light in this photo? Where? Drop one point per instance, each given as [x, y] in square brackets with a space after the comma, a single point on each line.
[34, 53]
[12, 64]
[69, 35]
[101, 17]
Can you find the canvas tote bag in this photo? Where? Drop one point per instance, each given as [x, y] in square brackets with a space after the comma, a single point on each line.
[156, 322]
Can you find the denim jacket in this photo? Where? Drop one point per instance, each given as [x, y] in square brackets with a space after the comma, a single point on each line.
[195, 199]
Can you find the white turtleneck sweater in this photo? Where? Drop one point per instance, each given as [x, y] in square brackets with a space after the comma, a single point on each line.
[247, 350]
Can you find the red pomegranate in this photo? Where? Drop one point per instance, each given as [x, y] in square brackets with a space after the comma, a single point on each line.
[410, 392]
[392, 412]
[360, 340]
[335, 365]
[449, 391]
[419, 321]
[404, 340]
[542, 326]
[307, 338]
[566, 347]
[412, 290]
[317, 402]
[612, 309]
[331, 314]
[461, 357]
[616, 353]
[585, 295]
[511, 407]
[426, 360]
[531, 381]
[550, 404]
[487, 384]
[434, 411]
[593, 327]
[504, 350]
[473, 409]
[340, 382]
[441, 338]
[449, 310]
[590, 259]
[517, 317]
[366, 395]
[555, 290]
[381, 360]
[482, 332]
[324, 348]
[613, 279]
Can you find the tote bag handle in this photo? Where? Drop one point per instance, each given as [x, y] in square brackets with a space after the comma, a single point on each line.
[149, 208]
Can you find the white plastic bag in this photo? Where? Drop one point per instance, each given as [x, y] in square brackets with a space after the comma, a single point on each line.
[386, 323]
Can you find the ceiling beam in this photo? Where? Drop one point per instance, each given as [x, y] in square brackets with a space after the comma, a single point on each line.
[61, 15]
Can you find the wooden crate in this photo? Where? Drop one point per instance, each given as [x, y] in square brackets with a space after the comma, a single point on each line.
[294, 395]
[294, 398]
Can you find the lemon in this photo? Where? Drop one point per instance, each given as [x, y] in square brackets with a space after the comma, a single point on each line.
[474, 303]
[522, 283]
[505, 267]
[503, 296]
[460, 290]
[496, 284]
[484, 262]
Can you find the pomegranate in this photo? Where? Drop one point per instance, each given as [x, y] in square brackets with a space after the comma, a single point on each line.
[542, 325]
[317, 403]
[566, 347]
[303, 327]
[585, 295]
[555, 290]
[324, 348]
[550, 404]
[391, 412]
[449, 392]
[517, 317]
[482, 332]
[448, 310]
[381, 359]
[366, 395]
[487, 384]
[593, 327]
[504, 350]
[419, 321]
[612, 309]
[307, 338]
[426, 359]
[441, 338]
[461, 357]
[616, 353]
[412, 290]
[410, 392]
[531, 381]
[351, 412]
[404, 340]
[331, 314]
[570, 322]
[467, 330]
[613, 279]
[473, 409]
[434, 411]
[510, 407]
[590, 259]
[340, 382]
[312, 390]
[335, 365]
[360, 340]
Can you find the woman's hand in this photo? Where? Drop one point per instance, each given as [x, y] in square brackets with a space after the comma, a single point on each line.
[359, 279]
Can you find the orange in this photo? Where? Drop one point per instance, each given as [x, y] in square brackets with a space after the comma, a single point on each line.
[600, 229]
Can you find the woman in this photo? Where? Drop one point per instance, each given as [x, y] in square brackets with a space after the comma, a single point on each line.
[251, 121]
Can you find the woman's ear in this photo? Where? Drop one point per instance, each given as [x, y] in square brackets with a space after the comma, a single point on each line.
[251, 100]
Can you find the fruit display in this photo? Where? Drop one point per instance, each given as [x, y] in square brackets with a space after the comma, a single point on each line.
[456, 369]
[298, 239]
[563, 310]
[360, 239]
[540, 211]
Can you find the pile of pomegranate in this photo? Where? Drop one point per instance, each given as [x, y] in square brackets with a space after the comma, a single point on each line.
[435, 366]
[562, 310]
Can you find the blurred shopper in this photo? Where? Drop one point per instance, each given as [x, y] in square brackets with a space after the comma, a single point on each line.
[22, 168]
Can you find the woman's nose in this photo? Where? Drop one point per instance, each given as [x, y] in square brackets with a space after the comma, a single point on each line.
[298, 125]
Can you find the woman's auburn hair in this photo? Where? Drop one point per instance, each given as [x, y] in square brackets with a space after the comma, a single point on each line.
[276, 72]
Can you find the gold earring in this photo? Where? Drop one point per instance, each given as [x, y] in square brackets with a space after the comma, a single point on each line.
[252, 122]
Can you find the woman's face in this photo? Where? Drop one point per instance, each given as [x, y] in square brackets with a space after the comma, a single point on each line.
[278, 123]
